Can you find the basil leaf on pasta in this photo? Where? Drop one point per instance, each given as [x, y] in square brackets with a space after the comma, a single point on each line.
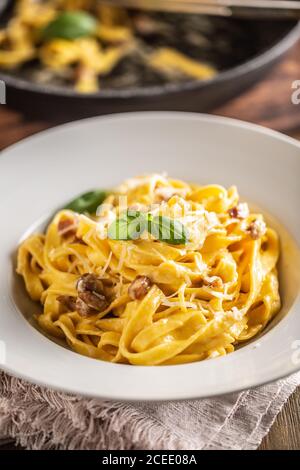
[128, 226]
[132, 224]
[87, 202]
[167, 230]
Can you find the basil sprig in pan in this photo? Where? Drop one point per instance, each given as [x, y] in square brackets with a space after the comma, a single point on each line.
[131, 226]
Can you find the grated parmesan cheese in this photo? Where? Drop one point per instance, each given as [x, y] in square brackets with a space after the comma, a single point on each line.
[167, 303]
[217, 294]
[237, 314]
[106, 264]
[122, 258]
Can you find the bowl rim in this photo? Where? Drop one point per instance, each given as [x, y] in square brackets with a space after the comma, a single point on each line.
[274, 52]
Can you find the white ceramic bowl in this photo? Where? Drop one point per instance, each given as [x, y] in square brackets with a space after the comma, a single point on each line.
[42, 172]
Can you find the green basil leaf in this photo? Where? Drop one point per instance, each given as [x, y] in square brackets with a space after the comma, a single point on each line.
[128, 226]
[70, 25]
[87, 202]
[167, 230]
[131, 225]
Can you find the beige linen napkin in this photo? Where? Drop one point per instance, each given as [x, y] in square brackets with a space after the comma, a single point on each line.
[39, 418]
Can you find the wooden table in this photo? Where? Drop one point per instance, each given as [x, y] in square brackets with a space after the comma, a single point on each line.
[269, 104]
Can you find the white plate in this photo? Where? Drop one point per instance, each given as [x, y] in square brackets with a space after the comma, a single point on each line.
[39, 174]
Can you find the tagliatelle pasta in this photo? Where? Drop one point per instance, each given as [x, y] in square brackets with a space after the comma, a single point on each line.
[153, 299]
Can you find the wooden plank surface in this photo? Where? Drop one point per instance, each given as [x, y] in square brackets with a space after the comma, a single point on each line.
[269, 104]
[284, 433]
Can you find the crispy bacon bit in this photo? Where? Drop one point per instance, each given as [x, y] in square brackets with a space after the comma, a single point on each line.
[94, 300]
[68, 302]
[147, 26]
[84, 73]
[89, 282]
[139, 287]
[257, 229]
[91, 296]
[83, 309]
[67, 228]
[241, 211]
[108, 282]
[79, 240]
[215, 282]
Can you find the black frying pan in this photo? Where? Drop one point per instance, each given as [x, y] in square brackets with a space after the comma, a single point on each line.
[262, 45]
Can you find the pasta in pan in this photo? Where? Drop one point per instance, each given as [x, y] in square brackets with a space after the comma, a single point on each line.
[80, 42]
[165, 273]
